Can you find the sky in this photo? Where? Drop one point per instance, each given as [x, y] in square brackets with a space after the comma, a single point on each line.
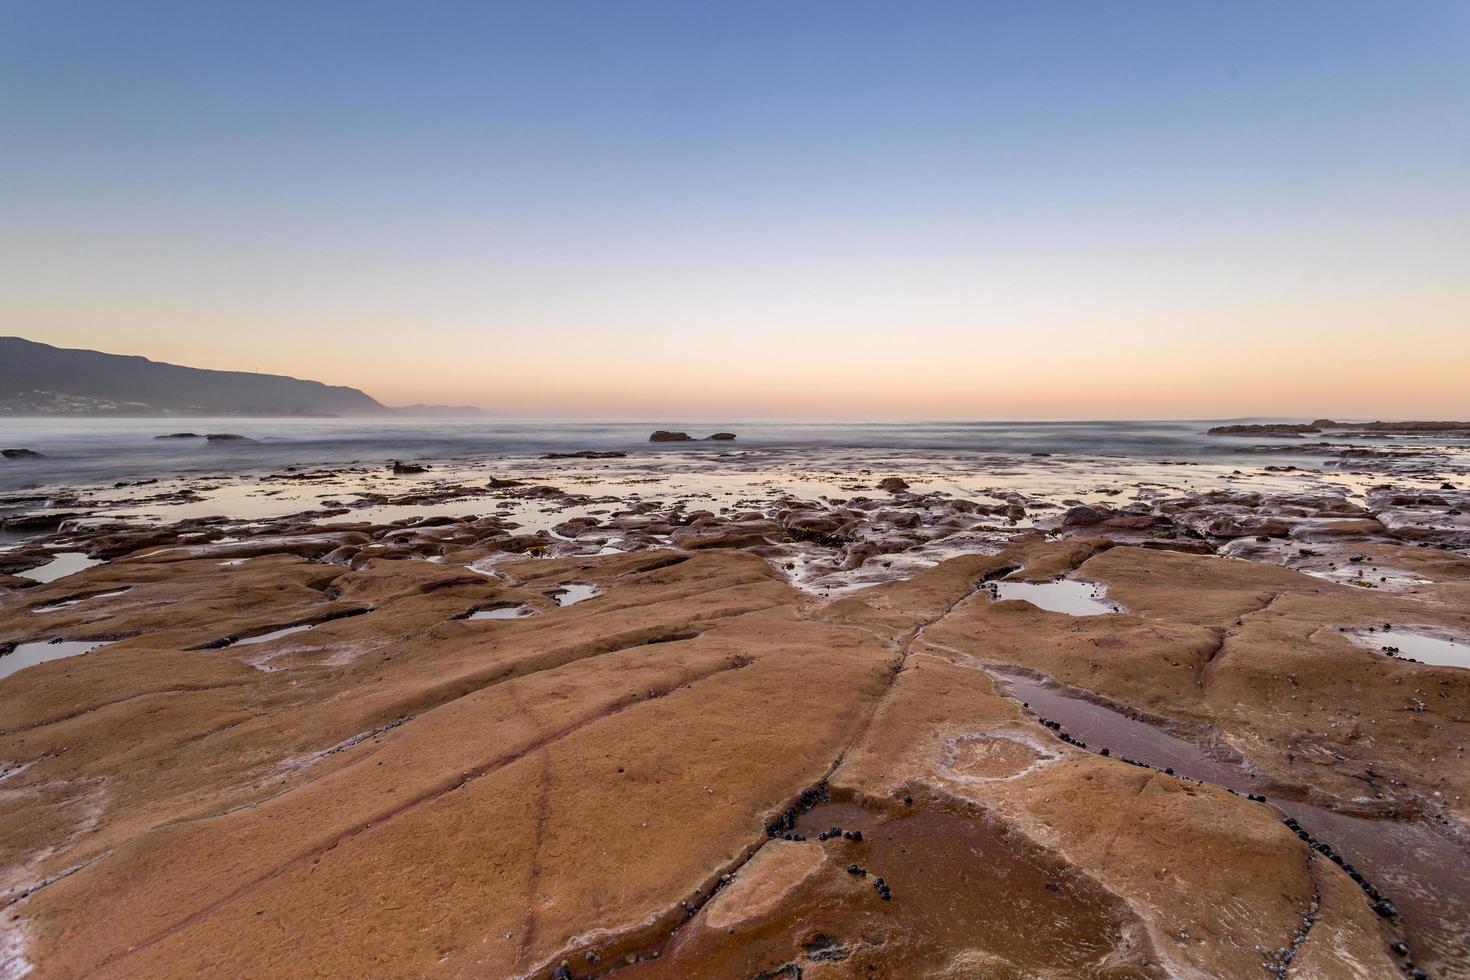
[756, 209]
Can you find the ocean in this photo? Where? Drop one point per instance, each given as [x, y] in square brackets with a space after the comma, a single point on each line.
[86, 451]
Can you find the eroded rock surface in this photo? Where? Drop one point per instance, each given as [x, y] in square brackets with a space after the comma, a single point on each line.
[781, 737]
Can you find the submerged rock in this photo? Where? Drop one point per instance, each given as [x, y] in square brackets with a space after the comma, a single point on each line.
[21, 454]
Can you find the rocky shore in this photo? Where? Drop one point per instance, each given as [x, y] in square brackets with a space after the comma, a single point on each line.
[597, 714]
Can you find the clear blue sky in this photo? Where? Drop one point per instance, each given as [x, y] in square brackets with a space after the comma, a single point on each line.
[845, 209]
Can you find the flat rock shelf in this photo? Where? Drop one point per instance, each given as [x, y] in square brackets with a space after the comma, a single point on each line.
[583, 716]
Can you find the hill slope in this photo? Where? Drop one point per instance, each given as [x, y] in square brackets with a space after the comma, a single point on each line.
[41, 379]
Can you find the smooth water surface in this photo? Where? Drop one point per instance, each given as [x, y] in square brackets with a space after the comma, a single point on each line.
[273, 635]
[1440, 651]
[504, 612]
[571, 593]
[85, 450]
[69, 603]
[29, 654]
[1070, 596]
[65, 563]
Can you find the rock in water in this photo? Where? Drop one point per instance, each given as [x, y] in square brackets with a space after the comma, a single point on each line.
[663, 435]
[1083, 516]
[723, 437]
[21, 454]
[585, 454]
[1269, 429]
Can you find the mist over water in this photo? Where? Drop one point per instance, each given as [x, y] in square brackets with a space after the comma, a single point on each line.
[91, 450]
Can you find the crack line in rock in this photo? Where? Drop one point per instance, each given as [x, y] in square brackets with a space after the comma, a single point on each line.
[429, 795]
[179, 689]
[710, 887]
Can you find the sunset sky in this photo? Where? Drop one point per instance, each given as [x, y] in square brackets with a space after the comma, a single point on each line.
[749, 209]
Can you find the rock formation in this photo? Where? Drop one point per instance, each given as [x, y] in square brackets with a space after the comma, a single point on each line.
[287, 748]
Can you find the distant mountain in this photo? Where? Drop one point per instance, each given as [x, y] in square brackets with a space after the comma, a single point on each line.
[38, 379]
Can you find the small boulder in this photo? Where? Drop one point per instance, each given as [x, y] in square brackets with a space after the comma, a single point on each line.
[402, 469]
[723, 437]
[893, 484]
[663, 435]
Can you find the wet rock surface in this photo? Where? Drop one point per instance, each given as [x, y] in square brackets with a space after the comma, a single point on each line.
[807, 727]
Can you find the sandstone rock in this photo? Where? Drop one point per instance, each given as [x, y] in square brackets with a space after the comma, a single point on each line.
[695, 737]
[43, 520]
[1083, 516]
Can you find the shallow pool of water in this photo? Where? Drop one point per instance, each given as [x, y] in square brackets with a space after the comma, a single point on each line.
[1070, 596]
[1441, 651]
[1102, 727]
[77, 601]
[571, 593]
[273, 635]
[954, 879]
[65, 563]
[504, 612]
[29, 654]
